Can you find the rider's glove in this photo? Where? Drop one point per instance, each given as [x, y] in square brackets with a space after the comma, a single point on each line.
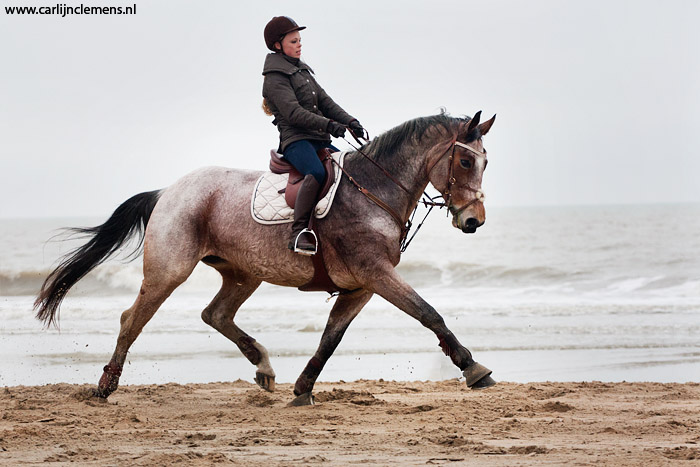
[336, 129]
[357, 129]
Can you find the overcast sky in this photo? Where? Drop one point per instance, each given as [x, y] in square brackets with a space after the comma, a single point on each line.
[597, 101]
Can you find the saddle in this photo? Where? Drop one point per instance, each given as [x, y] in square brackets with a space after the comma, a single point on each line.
[281, 166]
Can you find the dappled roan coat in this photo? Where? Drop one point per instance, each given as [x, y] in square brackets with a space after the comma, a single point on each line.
[204, 217]
[301, 107]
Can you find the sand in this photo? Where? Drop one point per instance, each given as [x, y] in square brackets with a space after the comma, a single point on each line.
[363, 422]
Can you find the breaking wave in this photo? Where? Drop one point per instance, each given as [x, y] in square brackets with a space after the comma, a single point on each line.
[115, 278]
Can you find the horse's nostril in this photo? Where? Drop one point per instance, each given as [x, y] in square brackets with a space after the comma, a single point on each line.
[472, 222]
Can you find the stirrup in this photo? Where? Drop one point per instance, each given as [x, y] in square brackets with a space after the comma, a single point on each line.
[306, 252]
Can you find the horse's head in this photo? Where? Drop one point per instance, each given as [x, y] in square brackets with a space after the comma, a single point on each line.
[457, 173]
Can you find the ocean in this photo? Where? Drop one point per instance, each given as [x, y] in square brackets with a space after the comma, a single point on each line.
[609, 293]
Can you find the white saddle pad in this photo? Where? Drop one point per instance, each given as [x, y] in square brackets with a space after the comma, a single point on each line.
[268, 206]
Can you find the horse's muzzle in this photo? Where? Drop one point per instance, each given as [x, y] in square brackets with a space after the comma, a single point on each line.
[469, 225]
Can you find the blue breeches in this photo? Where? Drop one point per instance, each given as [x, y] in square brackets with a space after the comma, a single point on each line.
[302, 155]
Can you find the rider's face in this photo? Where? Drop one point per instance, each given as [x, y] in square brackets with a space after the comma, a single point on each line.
[291, 44]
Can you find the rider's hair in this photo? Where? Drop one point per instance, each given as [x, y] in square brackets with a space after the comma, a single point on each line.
[266, 108]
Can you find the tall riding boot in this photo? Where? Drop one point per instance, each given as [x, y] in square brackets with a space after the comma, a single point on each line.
[304, 241]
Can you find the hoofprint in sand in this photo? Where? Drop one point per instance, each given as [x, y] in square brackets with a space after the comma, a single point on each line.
[363, 422]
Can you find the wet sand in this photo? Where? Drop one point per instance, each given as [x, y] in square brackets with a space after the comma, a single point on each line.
[363, 422]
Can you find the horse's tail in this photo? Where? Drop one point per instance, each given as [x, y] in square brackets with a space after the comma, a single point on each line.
[128, 219]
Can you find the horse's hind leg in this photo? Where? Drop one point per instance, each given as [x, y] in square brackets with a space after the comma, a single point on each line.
[219, 314]
[163, 272]
[346, 307]
[152, 294]
[395, 290]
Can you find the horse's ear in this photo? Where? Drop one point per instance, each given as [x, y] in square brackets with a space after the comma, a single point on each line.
[486, 126]
[474, 122]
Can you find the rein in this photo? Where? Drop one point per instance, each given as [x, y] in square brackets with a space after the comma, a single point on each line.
[427, 200]
[357, 138]
[405, 226]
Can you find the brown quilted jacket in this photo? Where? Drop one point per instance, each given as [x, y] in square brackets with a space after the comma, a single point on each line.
[301, 107]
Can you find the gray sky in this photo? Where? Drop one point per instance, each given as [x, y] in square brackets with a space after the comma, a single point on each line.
[597, 102]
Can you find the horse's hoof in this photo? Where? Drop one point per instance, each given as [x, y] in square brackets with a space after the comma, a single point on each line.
[484, 383]
[100, 394]
[305, 399]
[266, 382]
[475, 373]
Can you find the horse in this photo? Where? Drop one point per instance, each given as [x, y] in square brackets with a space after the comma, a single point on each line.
[205, 216]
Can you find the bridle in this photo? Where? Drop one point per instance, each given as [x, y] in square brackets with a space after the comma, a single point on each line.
[427, 200]
[451, 180]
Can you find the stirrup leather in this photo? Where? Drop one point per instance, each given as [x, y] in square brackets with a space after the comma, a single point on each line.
[306, 252]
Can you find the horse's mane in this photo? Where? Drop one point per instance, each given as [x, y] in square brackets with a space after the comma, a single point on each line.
[391, 141]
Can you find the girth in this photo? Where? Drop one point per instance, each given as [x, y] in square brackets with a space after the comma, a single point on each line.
[321, 281]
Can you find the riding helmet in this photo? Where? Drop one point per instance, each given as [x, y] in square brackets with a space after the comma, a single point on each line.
[277, 28]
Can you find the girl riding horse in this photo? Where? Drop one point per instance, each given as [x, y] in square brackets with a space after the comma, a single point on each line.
[305, 116]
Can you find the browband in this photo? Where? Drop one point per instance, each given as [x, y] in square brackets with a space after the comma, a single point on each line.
[462, 145]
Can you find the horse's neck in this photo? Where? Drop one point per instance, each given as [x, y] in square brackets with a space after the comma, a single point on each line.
[406, 166]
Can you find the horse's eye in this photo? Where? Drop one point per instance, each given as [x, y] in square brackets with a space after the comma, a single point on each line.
[465, 163]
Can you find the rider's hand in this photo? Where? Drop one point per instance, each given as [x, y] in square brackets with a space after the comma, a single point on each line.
[336, 129]
[357, 129]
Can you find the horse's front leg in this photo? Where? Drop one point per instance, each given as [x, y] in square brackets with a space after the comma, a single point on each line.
[394, 289]
[346, 307]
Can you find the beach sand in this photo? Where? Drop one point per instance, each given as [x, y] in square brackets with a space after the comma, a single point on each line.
[362, 422]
